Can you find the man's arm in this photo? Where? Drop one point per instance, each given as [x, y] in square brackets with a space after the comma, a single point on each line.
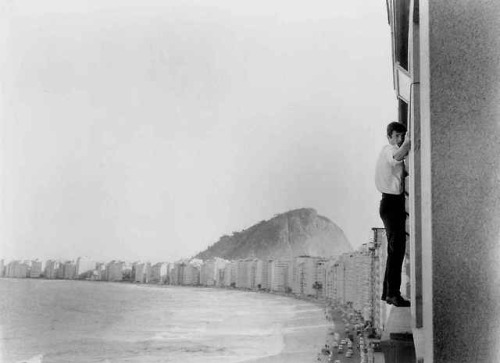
[403, 150]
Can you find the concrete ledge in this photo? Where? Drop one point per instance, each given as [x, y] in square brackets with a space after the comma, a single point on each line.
[419, 342]
[398, 351]
[398, 321]
[397, 339]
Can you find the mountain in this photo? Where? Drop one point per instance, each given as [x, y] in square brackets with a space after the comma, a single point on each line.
[294, 233]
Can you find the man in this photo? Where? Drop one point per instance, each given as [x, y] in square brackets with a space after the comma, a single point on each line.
[389, 181]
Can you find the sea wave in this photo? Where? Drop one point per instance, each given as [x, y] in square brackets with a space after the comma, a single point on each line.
[110, 323]
[35, 359]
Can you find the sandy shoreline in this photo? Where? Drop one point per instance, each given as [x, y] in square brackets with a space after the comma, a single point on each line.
[304, 336]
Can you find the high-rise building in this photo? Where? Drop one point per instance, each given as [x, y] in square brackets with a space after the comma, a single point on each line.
[242, 272]
[100, 272]
[319, 285]
[210, 273]
[378, 244]
[51, 269]
[170, 271]
[114, 271]
[262, 274]
[230, 274]
[69, 270]
[159, 273]
[281, 275]
[246, 273]
[309, 276]
[84, 268]
[142, 272]
[17, 269]
[330, 278]
[339, 283]
[35, 269]
[446, 57]
[192, 274]
[178, 272]
[252, 273]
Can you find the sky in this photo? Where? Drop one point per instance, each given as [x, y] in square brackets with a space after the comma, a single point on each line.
[146, 130]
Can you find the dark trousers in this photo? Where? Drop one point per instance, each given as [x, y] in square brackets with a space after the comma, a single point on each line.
[392, 212]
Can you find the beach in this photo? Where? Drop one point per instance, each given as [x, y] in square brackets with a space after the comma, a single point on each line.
[303, 336]
[80, 321]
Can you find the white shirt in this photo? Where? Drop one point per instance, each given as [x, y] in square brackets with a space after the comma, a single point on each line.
[389, 171]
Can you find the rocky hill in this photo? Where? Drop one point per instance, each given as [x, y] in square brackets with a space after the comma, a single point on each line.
[294, 233]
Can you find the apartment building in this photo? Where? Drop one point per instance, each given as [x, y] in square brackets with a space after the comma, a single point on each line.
[191, 274]
[114, 271]
[17, 269]
[69, 270]
[330, 278]
[320, 283]
[159, 273]
[85, 268]
[281, 275]
[241, 275]
[262, 274]
[100, 272]
[230, 274]
[446, 57]
[305, 273]
[339, 283]
[142, 272]
[51, 269]
[378, 245]
[35, 270]
[251, 281]
[246, 273]
[363, 262]
[177, 273]
[170, 269]
[210, 272]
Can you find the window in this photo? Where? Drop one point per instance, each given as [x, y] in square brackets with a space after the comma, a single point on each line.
[402, 13]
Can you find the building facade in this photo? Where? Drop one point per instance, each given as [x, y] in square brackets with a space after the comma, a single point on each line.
[281, 275]
[17, 269]
[446, 58]
[262, 275]
[69, 270]
[142, 272]
[85, 268]
[35, 269]
[114, 271]
[159, 273]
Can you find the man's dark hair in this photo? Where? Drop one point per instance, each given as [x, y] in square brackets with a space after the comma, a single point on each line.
[395, 126]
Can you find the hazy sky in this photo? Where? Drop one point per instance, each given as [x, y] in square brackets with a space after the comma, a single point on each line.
[148, 129]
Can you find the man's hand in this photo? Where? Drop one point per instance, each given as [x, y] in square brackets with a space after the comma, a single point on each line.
[407, 140]
[403, 150]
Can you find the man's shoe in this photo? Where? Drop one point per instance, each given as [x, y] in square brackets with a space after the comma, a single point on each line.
[397, 301]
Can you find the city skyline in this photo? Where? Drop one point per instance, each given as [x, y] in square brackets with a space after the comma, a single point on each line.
[154, 129]
[345, 286]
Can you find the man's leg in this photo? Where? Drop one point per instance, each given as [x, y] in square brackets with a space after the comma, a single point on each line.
[384, 285]
[387, 215]
[395, 257]
[393, 215]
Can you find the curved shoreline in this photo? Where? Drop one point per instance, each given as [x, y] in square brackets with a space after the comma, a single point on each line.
[301, 345]
[303, 336]
[289, 353]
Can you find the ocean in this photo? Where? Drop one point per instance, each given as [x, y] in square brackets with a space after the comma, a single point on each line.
[82, 321]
